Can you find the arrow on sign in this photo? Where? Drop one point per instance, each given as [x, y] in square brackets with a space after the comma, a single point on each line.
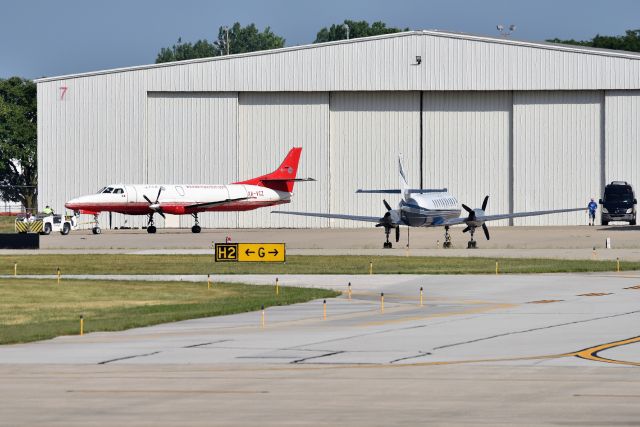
[274, 252]
[249, 252]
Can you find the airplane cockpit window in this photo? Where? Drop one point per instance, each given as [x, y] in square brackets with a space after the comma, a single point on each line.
[101, 190]
[118, 191]
[108, 190]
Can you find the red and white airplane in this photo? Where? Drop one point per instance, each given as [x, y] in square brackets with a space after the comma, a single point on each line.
[187, 199]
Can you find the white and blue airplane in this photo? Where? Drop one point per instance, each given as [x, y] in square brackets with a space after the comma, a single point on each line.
[429, 208]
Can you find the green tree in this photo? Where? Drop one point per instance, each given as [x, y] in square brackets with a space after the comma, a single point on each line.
[18, 141]
[241, 40]
[356, 29]
[181, 51]
[247, 39]
[630, 41]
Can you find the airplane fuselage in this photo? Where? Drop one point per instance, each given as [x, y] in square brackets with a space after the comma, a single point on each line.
[427, 210]
[177, 199]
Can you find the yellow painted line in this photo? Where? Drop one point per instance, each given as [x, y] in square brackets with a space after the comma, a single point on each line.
[473, 310]
[592, 353]
[545, 301]
[595, 294]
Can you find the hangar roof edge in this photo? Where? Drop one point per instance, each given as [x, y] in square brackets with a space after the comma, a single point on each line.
[434, 33]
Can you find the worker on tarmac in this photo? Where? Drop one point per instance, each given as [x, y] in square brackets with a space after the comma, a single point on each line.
[47, 210]
[593, 206]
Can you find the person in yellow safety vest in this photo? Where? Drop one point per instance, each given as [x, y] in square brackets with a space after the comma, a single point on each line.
[47, 210]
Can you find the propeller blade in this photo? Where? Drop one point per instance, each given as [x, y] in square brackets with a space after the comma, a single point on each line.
[484, 205]
[467, 208]
[466, 229]
[397, 234]
[158, 196]
[485, 228]
[162, 214]
[147, 199]
[386, 205]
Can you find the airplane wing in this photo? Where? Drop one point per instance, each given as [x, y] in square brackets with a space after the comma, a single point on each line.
[335, 216]
[217, 203]
[486, 218]
[398, 191]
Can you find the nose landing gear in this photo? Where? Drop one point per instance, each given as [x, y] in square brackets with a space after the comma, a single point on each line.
[151, 229]
[96, 228]
[196, 228]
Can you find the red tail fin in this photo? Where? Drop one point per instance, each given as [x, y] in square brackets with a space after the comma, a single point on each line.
[283, 178]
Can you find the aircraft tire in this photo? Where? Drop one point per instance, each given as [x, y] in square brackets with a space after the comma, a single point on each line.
[196, 229]
[96, 230]
[151, 229]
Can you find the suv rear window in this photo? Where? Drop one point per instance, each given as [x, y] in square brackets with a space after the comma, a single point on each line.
[618, 193]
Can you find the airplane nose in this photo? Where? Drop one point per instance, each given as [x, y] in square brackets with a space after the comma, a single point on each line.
[72, 204]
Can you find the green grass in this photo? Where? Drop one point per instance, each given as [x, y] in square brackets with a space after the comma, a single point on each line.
[33, 310]
[7, 224]
[203, 264]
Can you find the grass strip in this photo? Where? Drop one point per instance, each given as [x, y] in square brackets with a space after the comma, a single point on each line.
[297, 264]
[36, 309]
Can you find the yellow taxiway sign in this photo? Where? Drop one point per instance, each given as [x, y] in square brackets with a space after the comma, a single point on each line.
[250, 252]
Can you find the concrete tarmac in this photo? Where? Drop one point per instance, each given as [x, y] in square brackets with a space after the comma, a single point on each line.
[557, 349]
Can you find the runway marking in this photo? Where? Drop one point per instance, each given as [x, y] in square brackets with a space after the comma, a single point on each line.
[545, 301]
[595, 294]
[127, 357]
[592, 352]
[172, 391]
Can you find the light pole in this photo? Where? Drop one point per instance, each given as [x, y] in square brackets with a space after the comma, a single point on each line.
[346, 28]
[505, 32]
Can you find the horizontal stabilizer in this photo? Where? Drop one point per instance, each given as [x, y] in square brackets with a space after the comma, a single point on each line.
[408, 191]
[287, 179]
[217, 203]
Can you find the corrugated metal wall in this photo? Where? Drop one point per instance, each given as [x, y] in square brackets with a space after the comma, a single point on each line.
[368, 132]
[622, 137]
[466, 146]
[270, 125]
[192, 139]
[556, 152]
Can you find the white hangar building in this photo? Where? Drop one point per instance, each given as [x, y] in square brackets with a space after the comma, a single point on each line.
[534, 125]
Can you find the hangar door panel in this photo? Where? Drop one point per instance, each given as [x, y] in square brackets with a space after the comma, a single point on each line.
[556, 153]
[466, 146]
[191, 139]
[622, 137]
[368, 131]
[270, 125]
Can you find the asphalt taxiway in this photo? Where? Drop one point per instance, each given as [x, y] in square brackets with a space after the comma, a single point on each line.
[561, 349]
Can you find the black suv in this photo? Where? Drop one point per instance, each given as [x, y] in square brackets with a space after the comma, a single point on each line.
[618, 203]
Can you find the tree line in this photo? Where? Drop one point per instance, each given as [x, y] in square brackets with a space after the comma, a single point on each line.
[18, 112]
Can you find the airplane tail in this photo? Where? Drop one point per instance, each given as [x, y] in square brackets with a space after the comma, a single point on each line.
[404, 184]
[283, 178]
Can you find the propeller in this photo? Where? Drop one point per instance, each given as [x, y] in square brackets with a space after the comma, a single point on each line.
[472, 217]
[389, 220]
[155, 206]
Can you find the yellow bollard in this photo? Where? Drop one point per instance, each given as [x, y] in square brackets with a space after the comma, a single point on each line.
[496, 267]
[370, 267]
[421, 296]
[349, 291]
[15, 269]
[58, 275]
[262, 320]
[324, 310]
[208, 281]
[81, 324]
[381, 302]
[618, 264]
[277, 287]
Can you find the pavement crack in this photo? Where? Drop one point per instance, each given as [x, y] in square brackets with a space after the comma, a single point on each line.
[205, 343]
[536, 329]
[127, 357]
[316, 357]
[415, 356]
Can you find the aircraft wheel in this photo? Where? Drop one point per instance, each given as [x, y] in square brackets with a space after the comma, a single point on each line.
[387, 245]
[151, 229]
[96, 230]
[196, 229]
[471, 245]
[446, 245]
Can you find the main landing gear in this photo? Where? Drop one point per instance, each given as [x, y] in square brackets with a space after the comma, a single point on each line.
[196, 228]
[447, 238]
[151, 229]
[96, 228]
[471, 244]
[387, 244]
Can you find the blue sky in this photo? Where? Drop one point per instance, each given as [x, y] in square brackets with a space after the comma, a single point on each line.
[48, 38]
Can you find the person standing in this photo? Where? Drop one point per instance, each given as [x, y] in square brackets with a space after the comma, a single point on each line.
[593, 206]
